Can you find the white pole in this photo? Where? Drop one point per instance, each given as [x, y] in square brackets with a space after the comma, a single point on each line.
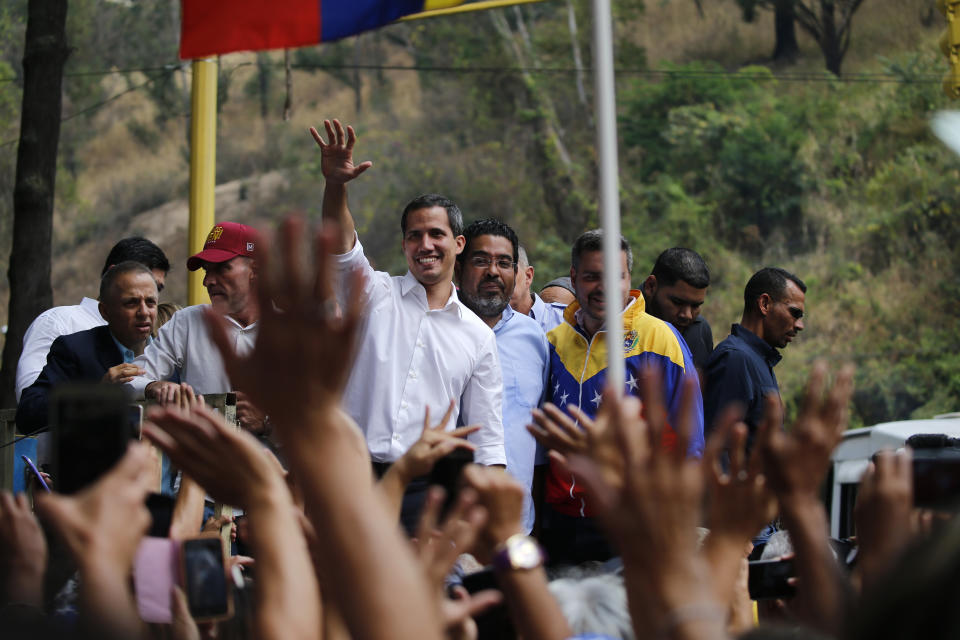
[606, 107]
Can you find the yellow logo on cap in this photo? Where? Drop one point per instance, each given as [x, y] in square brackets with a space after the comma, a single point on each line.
[215, 234]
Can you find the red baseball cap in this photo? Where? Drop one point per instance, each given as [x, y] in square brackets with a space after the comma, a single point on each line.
[226, 241]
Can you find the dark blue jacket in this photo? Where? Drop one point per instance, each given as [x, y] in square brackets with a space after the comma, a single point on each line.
[82, 356]
[740, 370]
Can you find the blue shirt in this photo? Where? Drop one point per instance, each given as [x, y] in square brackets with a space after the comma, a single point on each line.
[128, 354]
[548, 314]
[740, 370]
[522, 348]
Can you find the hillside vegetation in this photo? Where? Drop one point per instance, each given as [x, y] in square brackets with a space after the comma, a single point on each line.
[749, 163]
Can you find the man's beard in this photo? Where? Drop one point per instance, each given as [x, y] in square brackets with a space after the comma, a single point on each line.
[489, 307]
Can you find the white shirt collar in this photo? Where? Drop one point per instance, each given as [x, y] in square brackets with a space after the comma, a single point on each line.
[408, 283]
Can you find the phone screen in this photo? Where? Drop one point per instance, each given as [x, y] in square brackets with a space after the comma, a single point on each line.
[768, 579]
[446, 473]
[204, 578]
[91, 430]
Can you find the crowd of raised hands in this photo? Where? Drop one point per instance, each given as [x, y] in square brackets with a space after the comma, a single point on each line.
[332, 562]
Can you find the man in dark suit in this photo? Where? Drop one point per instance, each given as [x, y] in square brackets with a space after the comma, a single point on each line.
[128, 302]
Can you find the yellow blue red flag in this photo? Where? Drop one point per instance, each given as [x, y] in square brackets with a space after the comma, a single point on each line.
[213, 27]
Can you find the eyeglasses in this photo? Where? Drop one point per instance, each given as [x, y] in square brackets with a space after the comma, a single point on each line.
[484, 262]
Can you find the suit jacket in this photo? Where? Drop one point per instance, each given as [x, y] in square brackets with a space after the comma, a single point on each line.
[82, 356]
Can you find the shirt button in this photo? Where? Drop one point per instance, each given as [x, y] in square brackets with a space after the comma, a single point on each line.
[396, 436]
[413, 374]
[403, 405]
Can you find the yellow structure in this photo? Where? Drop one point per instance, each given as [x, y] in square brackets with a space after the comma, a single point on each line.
[950, 45]
[435, 8]
[203, 167]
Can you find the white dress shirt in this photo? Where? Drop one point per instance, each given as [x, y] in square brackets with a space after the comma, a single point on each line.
[410, 356]
[47, 327]
[183, 344]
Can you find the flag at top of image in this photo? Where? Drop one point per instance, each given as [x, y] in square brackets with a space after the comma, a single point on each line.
[213, 27]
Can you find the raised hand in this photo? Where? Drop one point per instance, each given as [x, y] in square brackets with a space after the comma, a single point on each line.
[336, 153]
[741, 503]
[228, 463]
[23, 552]
[883, 513]
[592, 437]
[433, 444]
[654, 514]
[302, 357]
[795, 464]
[502, 497]
[102, 526]
[104, 522]
[438, 545]
[797, 461]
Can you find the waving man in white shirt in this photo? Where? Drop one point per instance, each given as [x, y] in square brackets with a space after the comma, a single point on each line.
[420, 345]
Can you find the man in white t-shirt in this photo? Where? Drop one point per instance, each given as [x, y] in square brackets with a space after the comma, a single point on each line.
[184, 345]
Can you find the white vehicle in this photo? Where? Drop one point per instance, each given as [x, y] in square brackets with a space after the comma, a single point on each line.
[852, 455]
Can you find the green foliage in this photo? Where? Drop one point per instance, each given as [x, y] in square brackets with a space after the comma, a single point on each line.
[732, 141]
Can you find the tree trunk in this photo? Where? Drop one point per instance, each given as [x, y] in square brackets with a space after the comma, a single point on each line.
[785, 48]
[831, 45]
[263, 83]
[45, 52]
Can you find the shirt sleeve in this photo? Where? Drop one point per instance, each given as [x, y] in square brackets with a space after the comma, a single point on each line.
[696, 444]
[36, 345]
[482, 404]
[374, 282]
[163, 356]
[34, 406]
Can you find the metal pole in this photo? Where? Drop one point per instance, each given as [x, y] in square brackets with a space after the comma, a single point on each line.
[609, 189]
[203, 167]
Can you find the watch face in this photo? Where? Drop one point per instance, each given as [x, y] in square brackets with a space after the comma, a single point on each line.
[525, 554]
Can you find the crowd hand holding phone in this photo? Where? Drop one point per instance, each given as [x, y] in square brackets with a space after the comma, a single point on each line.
[23, 553]
[235, 469]
[795, 463]
[101, 526]
[883, 513]
[122, 373]
[439, 544]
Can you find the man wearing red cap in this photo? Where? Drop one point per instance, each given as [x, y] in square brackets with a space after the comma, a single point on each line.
[183, 344]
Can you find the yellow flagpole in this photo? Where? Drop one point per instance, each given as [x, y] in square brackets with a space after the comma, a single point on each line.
[203, 167]
[466, 8]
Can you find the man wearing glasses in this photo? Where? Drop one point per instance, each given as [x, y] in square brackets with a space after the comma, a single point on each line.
[487, 272]
[740, 370]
